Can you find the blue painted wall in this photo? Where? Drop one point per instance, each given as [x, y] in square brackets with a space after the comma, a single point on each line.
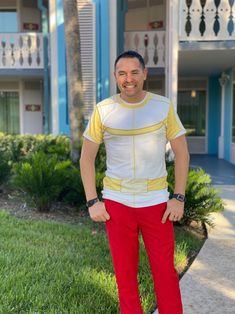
[228, 114]
[62, 80]
[214, 113]
[102, 48]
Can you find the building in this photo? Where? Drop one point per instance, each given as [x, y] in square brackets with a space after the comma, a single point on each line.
[188, 47]
[23, 70]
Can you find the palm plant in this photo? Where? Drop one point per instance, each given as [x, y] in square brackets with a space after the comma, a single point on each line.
[41, 178]
[202, 198]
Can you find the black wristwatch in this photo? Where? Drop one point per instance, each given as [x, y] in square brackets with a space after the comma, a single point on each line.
[92, 202]
[179, 197]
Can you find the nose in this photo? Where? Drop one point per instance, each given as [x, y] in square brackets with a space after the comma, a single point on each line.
[128, 77]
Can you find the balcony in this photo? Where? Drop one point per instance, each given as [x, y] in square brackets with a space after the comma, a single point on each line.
[21, 51]
[150, 44]
[202, 20]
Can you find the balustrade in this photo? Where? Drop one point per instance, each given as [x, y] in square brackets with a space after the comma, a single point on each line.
[205, 20]
[150, 44]
[21, 51]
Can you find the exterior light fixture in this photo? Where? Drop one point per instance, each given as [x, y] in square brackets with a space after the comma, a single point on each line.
[193, 93]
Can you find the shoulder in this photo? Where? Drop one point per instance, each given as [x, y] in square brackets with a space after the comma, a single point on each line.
[106, 102]
[160, 99]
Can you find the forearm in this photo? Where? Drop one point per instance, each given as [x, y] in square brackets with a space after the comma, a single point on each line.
[88, 176]
[181, 172]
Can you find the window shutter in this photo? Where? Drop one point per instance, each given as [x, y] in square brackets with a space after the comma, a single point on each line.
[86, 13]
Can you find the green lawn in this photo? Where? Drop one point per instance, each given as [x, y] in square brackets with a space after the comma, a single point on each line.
[52, 267]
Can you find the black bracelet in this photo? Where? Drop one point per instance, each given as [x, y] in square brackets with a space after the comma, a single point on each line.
[92, 202]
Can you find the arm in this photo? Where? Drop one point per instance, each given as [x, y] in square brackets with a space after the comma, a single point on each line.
[87, 166]
[175, 208]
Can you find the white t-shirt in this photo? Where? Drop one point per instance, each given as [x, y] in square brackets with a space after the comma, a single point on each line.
[135, 137]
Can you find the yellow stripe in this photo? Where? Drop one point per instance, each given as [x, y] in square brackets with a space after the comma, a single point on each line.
[112, 184]
[157, 184]
[135, 185]
[140, 131]
[95, 130]
[173, 124]
[124, 104]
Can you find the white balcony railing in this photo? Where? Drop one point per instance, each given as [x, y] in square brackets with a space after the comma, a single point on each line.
[150, 44]
[207, 20]
[21, 51]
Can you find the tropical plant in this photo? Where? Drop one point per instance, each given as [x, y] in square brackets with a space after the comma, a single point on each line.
[72, 191]
[41, 178]
[202, 198]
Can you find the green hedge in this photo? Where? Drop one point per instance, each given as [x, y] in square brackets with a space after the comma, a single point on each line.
[19, 147]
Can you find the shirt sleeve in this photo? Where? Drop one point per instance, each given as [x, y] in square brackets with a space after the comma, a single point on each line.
[174, 125]
[94, 130]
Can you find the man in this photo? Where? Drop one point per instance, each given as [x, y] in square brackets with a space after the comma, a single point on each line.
[135, 127]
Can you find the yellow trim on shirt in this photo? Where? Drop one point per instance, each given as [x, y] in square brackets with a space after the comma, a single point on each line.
[95, 128]
[129, 105]
[139, 131]
[135, 186]
[112, 184]
[173, 124]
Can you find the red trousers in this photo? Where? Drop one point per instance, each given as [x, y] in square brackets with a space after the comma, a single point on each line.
[123, 230]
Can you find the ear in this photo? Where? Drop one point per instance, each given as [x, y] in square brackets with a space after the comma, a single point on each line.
[114, 73]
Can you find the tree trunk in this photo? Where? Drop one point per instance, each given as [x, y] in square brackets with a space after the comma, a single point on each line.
[74, 75]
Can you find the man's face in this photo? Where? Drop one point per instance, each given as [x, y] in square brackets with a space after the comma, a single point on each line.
[130, 77]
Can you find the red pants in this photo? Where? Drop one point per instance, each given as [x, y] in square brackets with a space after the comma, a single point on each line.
[123, 230]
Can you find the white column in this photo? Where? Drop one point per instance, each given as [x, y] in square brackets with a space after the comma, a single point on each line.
[19, 15]
[172, 43]
[223, 80]
[54, 67]
[112, 43]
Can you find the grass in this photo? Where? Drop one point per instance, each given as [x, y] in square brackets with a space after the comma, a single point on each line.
[51, 267]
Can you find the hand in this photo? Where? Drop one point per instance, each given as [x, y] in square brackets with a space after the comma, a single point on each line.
[174, 210]
[98, 212]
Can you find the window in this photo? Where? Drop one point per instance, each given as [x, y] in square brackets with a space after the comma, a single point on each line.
[8, 21]
[233, 127]
[192, 111]
[9, 112]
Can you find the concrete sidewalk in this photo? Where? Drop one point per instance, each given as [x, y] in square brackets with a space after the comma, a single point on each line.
[208, 287]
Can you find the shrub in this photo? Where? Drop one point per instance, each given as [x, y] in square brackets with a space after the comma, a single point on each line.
[72, 191]
[201, 198]
[41, 178]
[19, 147]
[5, 168]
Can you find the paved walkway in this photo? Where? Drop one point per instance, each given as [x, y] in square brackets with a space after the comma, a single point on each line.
[208, 287]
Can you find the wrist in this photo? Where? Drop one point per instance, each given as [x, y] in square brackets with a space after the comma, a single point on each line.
[179, 197]
[92, 201]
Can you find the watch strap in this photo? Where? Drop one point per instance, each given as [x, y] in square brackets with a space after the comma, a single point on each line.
[92, 202]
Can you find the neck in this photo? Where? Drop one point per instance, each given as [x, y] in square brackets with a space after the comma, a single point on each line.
[134, 99]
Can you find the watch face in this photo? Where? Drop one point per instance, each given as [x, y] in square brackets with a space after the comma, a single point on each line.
[179, 197]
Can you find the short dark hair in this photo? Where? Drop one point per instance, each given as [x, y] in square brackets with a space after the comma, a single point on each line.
[130, 54]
